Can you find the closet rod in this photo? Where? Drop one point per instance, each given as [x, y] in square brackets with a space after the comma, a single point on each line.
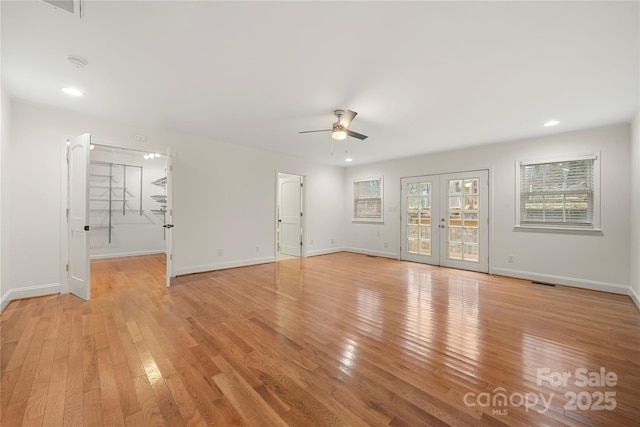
[97, 144]
[99, 162]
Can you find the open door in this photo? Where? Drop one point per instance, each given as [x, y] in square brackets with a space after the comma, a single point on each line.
[169, 219]
[79, 267]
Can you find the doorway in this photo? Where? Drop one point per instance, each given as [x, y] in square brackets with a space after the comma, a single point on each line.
[445, 220]
[119, 204]
[289, 216]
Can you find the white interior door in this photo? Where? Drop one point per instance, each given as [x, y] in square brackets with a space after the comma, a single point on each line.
[290, 215]
[169, 219]
[79, 267]
[445, 220]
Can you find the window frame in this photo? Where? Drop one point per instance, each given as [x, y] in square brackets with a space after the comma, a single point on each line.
[356, 218]
[595, 224]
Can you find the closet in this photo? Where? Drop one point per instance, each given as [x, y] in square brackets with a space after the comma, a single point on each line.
[127, 203]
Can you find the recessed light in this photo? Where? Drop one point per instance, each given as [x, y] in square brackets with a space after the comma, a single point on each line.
[348, 160]
[551, 123]
[72, 91]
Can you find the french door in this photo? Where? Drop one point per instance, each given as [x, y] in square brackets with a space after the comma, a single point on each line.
[445, 220]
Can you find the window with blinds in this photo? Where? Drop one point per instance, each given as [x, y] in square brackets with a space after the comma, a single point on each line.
[559, 193]
[367, 200]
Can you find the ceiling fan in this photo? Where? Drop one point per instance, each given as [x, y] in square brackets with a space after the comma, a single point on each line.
[339, 129]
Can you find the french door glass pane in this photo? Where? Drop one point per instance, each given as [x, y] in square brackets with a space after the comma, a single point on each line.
[463, 209]
[419, 218]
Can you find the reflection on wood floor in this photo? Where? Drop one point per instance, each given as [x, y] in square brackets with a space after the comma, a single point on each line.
[341, 339]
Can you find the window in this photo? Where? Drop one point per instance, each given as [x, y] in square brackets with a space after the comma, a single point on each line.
[367, 200]
[559, 193]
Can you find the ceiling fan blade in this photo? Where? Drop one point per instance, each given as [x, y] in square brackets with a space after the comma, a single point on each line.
[356, 134]
[311, 131]
[347, 117]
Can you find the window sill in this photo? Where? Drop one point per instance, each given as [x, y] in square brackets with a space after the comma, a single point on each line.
[367, 221]
[557, 230]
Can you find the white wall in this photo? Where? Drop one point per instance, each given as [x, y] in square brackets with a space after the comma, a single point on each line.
[5, 144]
[227, 195]
[224, 197]
[588, 260]
[635, 210]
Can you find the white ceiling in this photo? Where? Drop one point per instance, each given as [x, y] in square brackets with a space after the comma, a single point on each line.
[423, 76]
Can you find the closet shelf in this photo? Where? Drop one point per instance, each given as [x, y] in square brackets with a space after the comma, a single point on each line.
[161, 182]
[111, 187]
[140, 211]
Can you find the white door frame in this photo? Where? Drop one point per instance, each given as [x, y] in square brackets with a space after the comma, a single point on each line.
[64, 203]
[303, 207]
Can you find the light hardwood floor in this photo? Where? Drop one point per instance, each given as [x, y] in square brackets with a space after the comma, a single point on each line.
[341, 339]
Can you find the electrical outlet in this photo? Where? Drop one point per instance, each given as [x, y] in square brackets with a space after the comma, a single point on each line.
[333, 241]
[257, 249]
[220, 252]
[311, 242]
[510, 258]
[385, 245]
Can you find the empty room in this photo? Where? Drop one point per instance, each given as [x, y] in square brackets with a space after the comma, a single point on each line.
[318, 213]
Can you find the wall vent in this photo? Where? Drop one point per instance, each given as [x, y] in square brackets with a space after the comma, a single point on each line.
[74, 7]
[544, 284]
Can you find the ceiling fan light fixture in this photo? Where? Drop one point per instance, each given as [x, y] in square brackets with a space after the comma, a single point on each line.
[339, 134]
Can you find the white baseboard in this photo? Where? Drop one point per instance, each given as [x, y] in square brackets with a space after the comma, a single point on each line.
[635, 296]
[325, 251]
[392, 255]
[125, 254]
[28, 292]
[222, 265]
[615, 288]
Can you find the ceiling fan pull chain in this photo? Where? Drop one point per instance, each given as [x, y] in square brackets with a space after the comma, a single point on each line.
[332, 146]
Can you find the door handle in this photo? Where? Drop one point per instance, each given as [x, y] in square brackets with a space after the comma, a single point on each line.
[168, 226]
[86, 228]
[442, 226]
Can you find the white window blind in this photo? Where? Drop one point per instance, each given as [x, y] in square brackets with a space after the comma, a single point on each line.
[560, 193]
[367, 200]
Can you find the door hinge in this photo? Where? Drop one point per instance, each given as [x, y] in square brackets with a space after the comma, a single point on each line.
[171, 257]
[301, 213]
[171, 168]
[67, 267]
[67, 214]
[301, 185]
[300, 242]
